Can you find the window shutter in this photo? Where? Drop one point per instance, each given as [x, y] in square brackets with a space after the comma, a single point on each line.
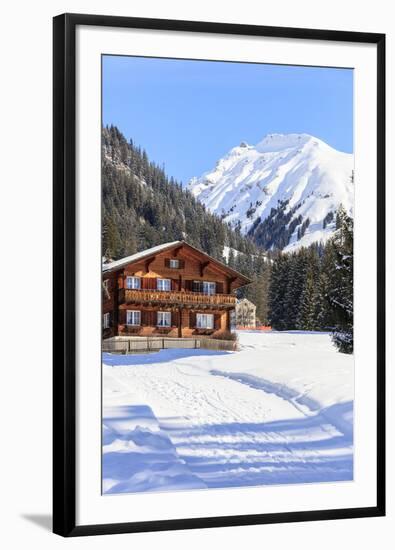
[181, 264]
[152, 284]
[144, 318]
[167, 262]
[219, 288]
[174, 319]
[148, 318]
[174, 284]
[192, 319]
[122, 316]
[217, 321]
[148, 283]
[188, 284]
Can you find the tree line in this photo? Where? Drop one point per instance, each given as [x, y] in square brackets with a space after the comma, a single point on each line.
[312, 289]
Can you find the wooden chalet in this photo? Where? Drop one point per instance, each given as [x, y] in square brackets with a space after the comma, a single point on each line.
[172, 289]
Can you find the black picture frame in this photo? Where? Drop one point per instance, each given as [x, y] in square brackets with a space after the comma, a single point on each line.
[64, 273]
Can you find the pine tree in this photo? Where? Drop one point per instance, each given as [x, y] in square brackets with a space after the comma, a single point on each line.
[261, 298]
[307, 312]
[326, 283]
[322, 307]
[340, 295]
[231, 258]
[278, 314]
[110, 238]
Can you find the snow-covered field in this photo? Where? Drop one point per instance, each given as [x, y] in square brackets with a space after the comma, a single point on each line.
[278, 411]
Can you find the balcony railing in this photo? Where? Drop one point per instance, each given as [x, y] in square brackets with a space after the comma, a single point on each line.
[179, 297]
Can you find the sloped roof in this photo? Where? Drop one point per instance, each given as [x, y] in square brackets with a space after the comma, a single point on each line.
[119, 264]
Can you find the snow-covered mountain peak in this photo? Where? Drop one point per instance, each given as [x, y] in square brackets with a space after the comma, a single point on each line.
[296, 177]
[278, 142]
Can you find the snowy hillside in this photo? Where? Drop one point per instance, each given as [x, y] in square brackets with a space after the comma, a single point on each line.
[284, 191]
[278, 411]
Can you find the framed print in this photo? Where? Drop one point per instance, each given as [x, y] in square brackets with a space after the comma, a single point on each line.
[218, 275]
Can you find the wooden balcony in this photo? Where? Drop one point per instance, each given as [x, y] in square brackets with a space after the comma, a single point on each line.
[179, 298]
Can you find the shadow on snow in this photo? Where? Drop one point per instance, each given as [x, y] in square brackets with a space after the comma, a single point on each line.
[315, 448]
[161, 356]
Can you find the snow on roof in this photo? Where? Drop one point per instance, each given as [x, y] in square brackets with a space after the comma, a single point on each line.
[110, 266]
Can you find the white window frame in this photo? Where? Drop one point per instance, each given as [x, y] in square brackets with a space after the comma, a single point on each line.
[205, 320]
[133, 280]
[159, 284]
[133, 312]
[208, 285]
[174, 263]
[161, 316]
[106, 320]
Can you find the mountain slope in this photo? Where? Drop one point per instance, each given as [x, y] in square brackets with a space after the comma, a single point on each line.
[143, 207]
[283, 192]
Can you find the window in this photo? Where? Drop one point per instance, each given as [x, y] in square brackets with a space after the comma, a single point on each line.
[133, 283]
[106, 320]
[164, 319]
[163, 284]
[204, 320]
[208, 287]
[133, 317]
[174, 263]
[197, 286]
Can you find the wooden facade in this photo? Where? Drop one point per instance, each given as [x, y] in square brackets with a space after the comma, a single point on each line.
[173, 290]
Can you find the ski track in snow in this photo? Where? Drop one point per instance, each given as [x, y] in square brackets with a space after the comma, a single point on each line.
[183, 419]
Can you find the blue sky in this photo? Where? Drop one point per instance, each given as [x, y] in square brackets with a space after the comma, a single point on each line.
[188, 114]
